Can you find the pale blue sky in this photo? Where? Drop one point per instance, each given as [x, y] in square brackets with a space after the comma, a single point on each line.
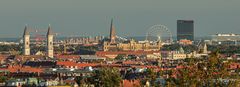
[131, 17]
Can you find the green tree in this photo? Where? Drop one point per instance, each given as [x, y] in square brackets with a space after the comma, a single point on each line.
[3, 79]
[107, 77]
[208, 72]
[120, 57]
[150, 76]
[83, 81]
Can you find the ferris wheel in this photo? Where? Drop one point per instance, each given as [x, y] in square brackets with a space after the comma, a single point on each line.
[159, 33]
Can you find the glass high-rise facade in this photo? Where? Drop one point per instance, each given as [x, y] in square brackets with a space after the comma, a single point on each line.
[185, 29]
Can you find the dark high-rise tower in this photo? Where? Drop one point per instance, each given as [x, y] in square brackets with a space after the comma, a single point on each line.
[185, 29]
[112, 33]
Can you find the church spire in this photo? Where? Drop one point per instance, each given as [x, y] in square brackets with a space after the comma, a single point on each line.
[26, 32]
[205, 51]
[112, 32]
[49, 32]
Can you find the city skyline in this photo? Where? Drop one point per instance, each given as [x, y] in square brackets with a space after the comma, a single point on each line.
[131, 18]
[119, 43]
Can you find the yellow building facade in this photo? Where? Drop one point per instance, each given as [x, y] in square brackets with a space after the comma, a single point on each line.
[132, 45]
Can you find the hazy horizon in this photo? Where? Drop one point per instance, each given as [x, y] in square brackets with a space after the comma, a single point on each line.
[131, 17]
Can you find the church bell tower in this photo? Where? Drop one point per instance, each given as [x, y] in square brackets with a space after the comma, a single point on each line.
[26, 42]
[49, 42]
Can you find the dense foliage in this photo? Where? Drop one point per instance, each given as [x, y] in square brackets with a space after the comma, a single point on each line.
[104, 77]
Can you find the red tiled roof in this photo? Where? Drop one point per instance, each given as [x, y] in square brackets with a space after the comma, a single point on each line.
[109, 65]
[234, 65]
[130, 83]
[67, 63]
[130, 62]
[67, 56]
[4, 56]
[24, 69]
[145, 66]
[79, 65]
[86, 64]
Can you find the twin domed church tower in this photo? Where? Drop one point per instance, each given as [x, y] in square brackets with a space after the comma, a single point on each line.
[26, 42]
